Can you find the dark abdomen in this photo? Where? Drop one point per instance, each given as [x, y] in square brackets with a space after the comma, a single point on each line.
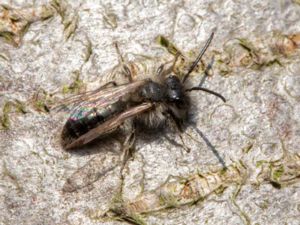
[83, 120]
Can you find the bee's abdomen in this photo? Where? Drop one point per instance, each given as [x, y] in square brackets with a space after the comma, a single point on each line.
[77, 125]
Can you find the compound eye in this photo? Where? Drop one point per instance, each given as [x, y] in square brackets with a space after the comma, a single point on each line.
[174, 95]
[175, 92]
[173, 82]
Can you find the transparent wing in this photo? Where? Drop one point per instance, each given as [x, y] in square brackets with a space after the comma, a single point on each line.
[98, 98]
[108, 126]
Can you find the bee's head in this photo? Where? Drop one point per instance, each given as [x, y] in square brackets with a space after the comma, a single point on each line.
[174, 91]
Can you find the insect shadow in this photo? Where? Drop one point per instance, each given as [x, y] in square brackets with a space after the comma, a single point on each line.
[192, 123]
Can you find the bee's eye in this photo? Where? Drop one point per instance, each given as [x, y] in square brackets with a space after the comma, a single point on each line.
[175, 91]
[173, 82]
[174, 95]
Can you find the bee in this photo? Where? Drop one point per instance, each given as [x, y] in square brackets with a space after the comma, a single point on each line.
[152, 101]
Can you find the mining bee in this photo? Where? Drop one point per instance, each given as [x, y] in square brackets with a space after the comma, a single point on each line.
[153, 102]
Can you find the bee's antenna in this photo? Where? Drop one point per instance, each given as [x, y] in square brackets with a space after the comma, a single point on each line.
[121, 59]
[199, 57]
[206, 72]
[208, 91]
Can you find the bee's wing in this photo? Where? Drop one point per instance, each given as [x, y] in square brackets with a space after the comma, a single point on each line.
[100, 97]
[109, 125]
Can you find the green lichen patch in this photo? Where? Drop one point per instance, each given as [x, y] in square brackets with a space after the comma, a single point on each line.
[134, 219]
[14, 23]
[247, 45]
[9, 38]
[76, 86]
[297, 1]
[41, 101]
[241, 213]
[119, 212]
[20, 106]
[260, 163]
[255, 54]
[68, 16]
[5, 123]
[4, 57]
[164, 42]
[110, 19]
[168, 201]
[179, 192]
[220, 190]
[277, 173]
[70, 25]
[295, 38]
[11, 177]
[89, 50]
[272, 62]
[286, 45]
[247, 148]
[280, 173]
[256, 58]
[14, 106]
[60, 7]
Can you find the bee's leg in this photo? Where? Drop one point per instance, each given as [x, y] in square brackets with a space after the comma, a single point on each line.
[127, 73]
[110, 83]
[175, 143]
[168, 67]
[176, 125]
[122, 62]
[129, 142]
[128, 148]
[186, 148]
